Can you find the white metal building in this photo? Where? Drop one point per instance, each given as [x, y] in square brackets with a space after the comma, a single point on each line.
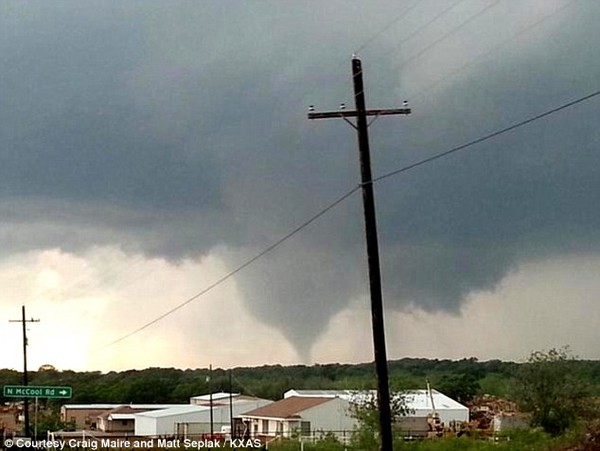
[85, 416]
[417, 401]
[188, 419]
[223, 399]
[219, 397]
[161, 423]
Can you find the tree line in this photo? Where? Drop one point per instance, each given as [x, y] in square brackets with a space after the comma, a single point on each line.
[460, 379]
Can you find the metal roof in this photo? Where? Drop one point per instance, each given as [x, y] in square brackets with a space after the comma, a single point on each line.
[215, 396]
[175, 410]
[114, 406]
[122, 413]
[420, 399]
[288, 407]
[415, 399]
[121, 416]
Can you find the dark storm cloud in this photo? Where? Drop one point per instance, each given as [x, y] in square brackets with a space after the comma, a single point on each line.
[459, 225]
[72, 130]
[176, 130]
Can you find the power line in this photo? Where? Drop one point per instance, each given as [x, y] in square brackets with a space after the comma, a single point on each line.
[348, 194]
[365, 44]
[474, 61]
[415, 32]
[428, 23]
[386, 27]
[361, 47]
[243, 386]
[486, 137]
[241, 267]
[443, 37]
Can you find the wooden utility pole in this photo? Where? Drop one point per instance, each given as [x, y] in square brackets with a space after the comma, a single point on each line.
[230, 405]
[212, 431]
[361, 126]
[25, 376]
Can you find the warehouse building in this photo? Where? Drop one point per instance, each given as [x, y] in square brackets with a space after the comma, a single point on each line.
[418, 402]
[85, 416]
[195, 419]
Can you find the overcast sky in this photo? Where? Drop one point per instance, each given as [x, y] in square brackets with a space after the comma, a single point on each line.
[149, 148]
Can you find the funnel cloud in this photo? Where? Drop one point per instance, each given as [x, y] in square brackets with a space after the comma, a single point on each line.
[179, 131]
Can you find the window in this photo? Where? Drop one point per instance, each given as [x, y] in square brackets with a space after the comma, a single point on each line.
[265, 426]
[305, 428]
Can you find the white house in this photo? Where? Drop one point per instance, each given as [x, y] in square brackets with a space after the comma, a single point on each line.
[302, 416]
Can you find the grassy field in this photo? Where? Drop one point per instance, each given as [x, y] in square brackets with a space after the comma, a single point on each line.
[518, 441]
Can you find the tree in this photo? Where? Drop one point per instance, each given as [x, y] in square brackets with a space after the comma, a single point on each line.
[549, 387]
[49, 420]
[364, 408]
[462, 388]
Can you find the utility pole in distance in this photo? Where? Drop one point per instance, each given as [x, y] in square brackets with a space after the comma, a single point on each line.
[361, 126]
[25, 376]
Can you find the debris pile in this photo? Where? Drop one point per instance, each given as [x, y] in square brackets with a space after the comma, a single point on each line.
[486, 412]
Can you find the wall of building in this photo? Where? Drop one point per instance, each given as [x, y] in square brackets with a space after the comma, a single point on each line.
[193, 429]
[145, 426]
[83, 418]
[8, 419]
[108, 425]
[446, 415]
[330, 416]
[158, 426]
[505, 422]
[260, 426]
[413, 426]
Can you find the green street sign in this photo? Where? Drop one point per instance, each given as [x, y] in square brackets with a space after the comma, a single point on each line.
[36, 391]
